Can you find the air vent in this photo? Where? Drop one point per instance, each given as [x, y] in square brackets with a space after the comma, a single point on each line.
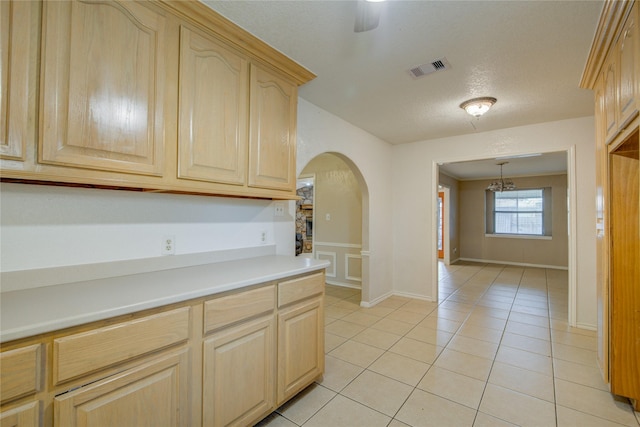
[422, 70]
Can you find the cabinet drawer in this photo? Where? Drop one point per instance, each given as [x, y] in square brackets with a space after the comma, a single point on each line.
[82, 353]
[20, 372]
[232, 308]
[300, 288]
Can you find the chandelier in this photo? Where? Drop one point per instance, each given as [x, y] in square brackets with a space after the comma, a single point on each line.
[504, 184]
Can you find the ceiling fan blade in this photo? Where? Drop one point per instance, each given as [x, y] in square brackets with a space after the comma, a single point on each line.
[367, 16]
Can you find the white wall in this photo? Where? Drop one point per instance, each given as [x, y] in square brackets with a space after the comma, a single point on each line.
[320, 132]
[414, 173]
[45, 226]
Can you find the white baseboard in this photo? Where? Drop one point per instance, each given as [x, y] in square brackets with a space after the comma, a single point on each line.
[343, 284]
[519, 264]
[587, 326]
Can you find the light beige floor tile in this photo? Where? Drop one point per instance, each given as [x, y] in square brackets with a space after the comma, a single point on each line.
[494, 304]
[484, 320]
[530, 310]
[459, 388]
[330, 300]
[401, 368]
[393, 326]
[394, 302]
[431, 336]
[344, 329]
[360, 318]
[530, 319]
[328, 320]
[522, 380]
[525, 359]
[378, 392]
[377, 338]
[521, 342]
[575, 354]
[336, 312]
[574, 340]
[498, 298]
[517, 408]
[357, 353]
[405, 316]
[417, 350]
[421, 307]
[306, 403]
[594, 402]
[442, 324]
[377, 311]
[332, 341]
[578, 373]
[480, 333]
[347, 305]
[426, 409]
[445, 313]
[275, 420]
[563, 325]
[345, 412]
[484, 420]
[396, 423]
[457, 306]
[338, 373]
[473, 346]
[568, 417]
[465, 364]
[532, 331]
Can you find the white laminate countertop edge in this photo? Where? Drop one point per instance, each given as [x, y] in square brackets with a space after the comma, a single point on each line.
[29, 312]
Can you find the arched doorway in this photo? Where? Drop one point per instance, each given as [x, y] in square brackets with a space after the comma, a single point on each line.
[340, 219]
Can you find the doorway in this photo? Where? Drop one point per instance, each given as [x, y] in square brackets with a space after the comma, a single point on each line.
[441, 210]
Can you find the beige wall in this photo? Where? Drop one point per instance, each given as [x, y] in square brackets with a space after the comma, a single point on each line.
[475, 245]
[337, 226]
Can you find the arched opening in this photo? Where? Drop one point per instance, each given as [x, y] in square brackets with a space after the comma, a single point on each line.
[339, 219]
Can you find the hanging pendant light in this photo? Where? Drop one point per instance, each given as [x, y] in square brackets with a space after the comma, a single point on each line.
[504, 184]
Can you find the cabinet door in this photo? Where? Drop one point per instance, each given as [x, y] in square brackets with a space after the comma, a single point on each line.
[102, 86]
[27, 415]
[239, 373]
[214, 110]
[272, 150]
[300, 347]
[152, 394]
[17, 78]
[629, 93]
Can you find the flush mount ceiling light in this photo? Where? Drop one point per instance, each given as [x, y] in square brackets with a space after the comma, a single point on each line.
[478, 106]
[504, 184]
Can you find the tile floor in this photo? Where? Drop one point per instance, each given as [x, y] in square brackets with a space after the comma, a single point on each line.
[496, 351]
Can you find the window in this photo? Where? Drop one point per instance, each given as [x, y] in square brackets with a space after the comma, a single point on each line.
[519, 212]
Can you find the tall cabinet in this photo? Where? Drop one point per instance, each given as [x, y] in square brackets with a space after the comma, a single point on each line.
[613, 72]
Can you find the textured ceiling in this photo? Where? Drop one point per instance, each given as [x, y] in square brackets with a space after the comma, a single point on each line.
[528, 54]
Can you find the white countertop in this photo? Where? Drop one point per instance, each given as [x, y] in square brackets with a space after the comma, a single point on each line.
[28, 312]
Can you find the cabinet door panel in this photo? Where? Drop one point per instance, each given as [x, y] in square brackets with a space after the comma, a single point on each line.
[272, 151]
[239, 371]
[16, 99]
[213, 111]
[152, 394]
[27, 415]
[610, 90]
[629, 80]
[103, 83]
[300, 347]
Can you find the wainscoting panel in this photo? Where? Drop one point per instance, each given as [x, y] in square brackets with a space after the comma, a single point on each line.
[346, 262]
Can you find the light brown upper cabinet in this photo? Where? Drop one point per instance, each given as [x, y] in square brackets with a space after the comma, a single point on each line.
[18, 49]
[154, 95]
[629, 82]
[103, 95]
[214, 110]
[272, 152]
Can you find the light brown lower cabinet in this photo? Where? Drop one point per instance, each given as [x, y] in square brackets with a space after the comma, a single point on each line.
[223, 360]
[154, 393]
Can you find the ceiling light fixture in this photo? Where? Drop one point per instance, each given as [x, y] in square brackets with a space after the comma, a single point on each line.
[478, 106]
[503, 184]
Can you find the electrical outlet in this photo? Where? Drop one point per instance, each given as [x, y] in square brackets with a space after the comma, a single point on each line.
[263, 237]
[168, 246]
[278, 209]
